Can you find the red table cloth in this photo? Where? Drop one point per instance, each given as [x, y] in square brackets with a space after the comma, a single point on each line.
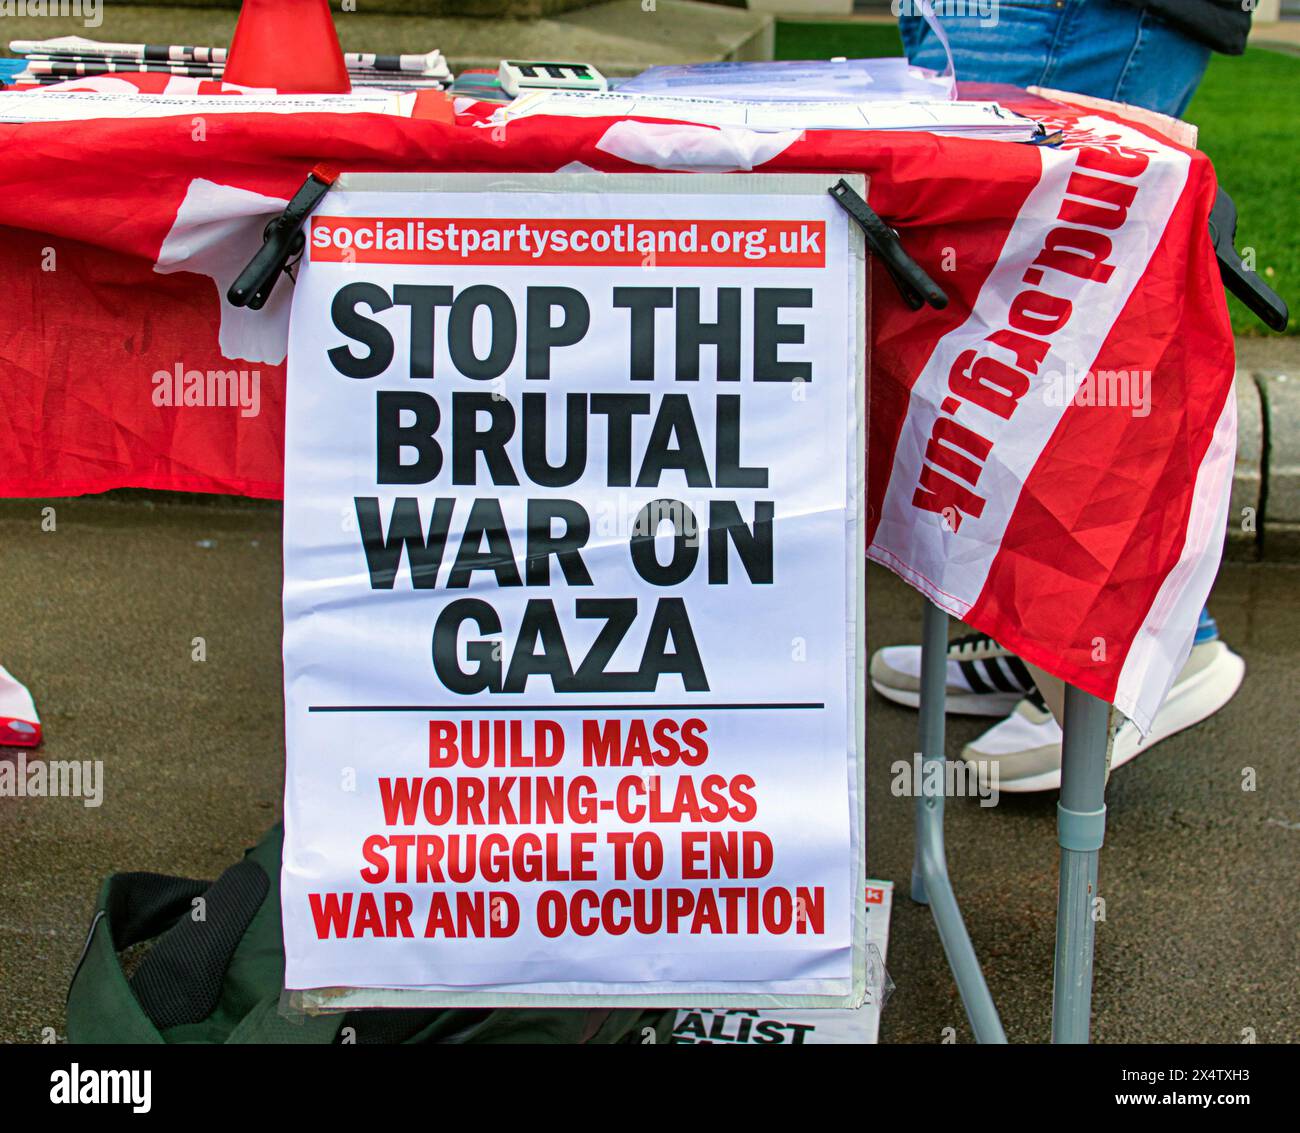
[1050, 457]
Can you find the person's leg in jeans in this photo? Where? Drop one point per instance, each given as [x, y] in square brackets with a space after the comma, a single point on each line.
[1108, 50]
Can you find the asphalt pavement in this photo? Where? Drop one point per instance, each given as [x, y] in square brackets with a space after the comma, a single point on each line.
[101, 616]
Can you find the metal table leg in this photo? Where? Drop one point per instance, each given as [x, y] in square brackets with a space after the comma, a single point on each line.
[1081, 827]
[930, 882]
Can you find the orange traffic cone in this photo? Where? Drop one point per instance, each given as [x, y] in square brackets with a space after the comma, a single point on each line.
[290, 45]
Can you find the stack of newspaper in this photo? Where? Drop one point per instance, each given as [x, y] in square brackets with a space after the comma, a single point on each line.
[72, 56]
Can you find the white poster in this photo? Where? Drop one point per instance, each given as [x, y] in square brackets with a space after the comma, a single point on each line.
[858, 1026]
[572, 593]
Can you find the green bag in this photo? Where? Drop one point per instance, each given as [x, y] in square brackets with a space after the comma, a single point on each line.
[219, 980]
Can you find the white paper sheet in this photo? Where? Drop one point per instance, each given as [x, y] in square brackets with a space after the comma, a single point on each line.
[73, 106]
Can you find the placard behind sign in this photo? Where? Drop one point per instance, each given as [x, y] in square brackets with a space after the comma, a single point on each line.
[573, 593]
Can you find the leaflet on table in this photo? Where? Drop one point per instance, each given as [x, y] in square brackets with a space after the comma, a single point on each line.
[964, 119]
[833, 80]
[66, 106]
[836, 80]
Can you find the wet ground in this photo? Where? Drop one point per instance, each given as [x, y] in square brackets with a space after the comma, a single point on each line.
[101, 616]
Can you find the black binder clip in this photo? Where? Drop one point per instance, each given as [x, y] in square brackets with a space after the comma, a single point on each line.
[282, 243]
[916, 288]
[1265, 303]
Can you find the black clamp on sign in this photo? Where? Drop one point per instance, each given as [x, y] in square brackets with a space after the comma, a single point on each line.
[1265, 303]
[916, 288]
[282, 242]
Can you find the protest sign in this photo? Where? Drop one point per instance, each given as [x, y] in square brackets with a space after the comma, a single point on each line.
[573, 592]
[859, 1026]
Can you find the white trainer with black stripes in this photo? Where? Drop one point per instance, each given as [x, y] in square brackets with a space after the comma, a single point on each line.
[1026, 746]
[983, 678]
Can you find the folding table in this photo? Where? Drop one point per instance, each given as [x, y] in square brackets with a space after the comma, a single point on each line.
[137, 235]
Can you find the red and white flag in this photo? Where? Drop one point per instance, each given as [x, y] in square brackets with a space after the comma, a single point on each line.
[1049, 457]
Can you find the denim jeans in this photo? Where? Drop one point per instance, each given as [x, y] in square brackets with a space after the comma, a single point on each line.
[1096, 47]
